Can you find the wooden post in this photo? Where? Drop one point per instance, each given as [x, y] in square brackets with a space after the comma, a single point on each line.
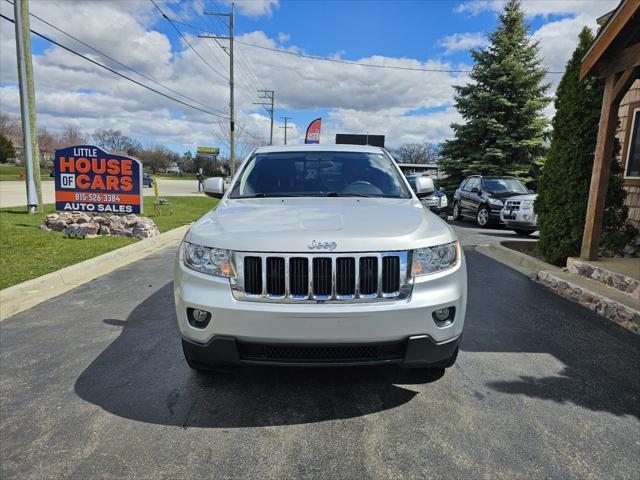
[600, 174]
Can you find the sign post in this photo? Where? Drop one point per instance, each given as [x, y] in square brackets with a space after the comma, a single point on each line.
[89, 179]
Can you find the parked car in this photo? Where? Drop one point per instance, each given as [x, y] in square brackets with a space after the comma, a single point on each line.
[437, 202]
[320, 255]
[518, 214]
[482, 198]
[147, 180]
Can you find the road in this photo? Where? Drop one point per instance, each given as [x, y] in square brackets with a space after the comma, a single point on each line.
[93, 384]
[13, 193]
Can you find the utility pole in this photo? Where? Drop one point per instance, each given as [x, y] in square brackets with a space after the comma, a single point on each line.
[286, 120]
[27, 105]
[268, 95]
[232, 116]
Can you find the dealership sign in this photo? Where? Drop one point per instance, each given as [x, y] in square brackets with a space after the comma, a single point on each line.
[88, 179]
[207, 150]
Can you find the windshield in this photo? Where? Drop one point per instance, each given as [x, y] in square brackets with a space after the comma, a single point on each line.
[503, 185]
[319, 174]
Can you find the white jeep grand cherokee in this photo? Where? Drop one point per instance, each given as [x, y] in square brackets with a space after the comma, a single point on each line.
[320, 255]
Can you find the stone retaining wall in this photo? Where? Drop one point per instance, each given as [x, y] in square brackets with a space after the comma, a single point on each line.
[621, 314]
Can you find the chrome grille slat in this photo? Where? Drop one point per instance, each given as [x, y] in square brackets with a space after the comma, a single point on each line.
[339, 278]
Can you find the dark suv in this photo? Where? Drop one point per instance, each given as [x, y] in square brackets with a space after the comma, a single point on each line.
[482, 198]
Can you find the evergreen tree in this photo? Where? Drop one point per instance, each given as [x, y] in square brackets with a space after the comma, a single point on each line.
[6, 149]
[504, 129]
[565, 181]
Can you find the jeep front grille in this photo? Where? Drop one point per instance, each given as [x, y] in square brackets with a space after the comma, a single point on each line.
[321, 277]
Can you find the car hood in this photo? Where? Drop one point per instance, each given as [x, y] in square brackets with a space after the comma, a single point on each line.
[521, 198]
[292, 224]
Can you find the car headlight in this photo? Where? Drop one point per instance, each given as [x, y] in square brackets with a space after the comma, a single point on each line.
[212, 261]
[434, 259]
[495, 202]
[527, 204]
[443, 201]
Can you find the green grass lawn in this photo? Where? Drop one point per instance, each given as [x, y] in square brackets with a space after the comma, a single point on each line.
[28, 252]
[12, 172]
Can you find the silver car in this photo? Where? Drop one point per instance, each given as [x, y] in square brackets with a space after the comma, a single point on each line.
[320, 255]
[518, 214]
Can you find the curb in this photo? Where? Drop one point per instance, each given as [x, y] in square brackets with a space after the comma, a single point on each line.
[624, 314]
[519, 261]
[612, 305]
[21, 297]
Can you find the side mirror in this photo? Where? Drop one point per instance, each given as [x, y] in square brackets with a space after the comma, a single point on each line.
[424, 187]
[476, 190]
[532, 190]
[214, 187]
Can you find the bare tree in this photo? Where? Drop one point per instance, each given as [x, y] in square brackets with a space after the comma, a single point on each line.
[427, 153]
[115, 141]
[158, 158]
[47, 144]
[71, 136]
[10, 127]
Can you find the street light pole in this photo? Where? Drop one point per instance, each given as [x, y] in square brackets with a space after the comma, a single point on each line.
[27, 105]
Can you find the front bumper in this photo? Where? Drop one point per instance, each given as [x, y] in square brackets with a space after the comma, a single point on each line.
[417, 351]
[320, 323]
[521, 219]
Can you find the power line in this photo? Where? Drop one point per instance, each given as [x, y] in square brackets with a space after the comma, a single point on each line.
[240, 127]
[349, 62]
[151, 79]
[44, 37]
[187, 41]
[361, 64]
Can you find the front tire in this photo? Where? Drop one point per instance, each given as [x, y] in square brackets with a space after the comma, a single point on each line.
[524, 233]
[457, 215]
[482, 216]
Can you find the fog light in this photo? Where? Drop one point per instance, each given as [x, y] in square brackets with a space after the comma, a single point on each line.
[526, 216]
[198, 318]
[444, 316]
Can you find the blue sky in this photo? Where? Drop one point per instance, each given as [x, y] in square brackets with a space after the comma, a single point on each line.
[405, 106]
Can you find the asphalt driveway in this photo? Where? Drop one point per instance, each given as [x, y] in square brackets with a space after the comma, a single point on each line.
[93, 384]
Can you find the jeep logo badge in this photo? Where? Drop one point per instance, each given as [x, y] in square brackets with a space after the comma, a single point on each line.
[322, 245]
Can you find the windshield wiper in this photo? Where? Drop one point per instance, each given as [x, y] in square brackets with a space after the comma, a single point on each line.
[269, 195]
[336, 194]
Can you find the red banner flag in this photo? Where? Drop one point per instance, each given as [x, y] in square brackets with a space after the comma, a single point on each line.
[313, 131]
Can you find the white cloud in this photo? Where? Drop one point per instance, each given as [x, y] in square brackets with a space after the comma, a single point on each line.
[559, 39]
[463, 41]
[590, 8]
[255, 8]
[358, 99]
[283, 37]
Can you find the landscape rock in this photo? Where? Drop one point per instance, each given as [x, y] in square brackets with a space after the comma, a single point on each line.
[102, 224]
